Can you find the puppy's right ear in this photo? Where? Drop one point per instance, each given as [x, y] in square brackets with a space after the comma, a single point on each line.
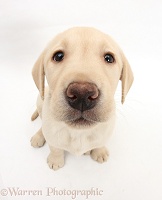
[39, 75]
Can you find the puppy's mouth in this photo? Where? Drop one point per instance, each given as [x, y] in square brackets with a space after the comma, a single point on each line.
[81, 122]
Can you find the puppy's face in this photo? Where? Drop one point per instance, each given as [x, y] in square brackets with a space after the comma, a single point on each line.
[82, 67]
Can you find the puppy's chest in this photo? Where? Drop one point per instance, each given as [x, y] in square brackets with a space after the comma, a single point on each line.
[79, 143]
[76, 142]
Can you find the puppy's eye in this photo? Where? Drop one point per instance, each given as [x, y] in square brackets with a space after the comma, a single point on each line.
[109, 58]
[58, 56]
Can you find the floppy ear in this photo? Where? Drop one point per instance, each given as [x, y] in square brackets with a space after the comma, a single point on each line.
[39, 75]
[126, 77]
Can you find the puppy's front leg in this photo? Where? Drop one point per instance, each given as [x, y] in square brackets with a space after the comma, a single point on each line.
[99, 154]
[55, 159]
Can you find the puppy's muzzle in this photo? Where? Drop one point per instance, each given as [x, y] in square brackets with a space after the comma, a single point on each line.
[82, 96]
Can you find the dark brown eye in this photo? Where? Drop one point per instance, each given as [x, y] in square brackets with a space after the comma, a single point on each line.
[58, 56]
[109, 58]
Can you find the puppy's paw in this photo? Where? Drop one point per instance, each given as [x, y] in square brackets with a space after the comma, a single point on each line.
[55, 162]
[87, 153]
[37, 140]
[100, 154]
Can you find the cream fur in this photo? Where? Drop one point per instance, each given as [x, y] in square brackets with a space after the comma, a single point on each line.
[84, 50]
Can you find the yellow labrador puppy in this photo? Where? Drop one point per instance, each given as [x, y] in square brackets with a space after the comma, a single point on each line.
[82, 67]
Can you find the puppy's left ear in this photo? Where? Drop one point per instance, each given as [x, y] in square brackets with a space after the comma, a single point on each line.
[126, 77]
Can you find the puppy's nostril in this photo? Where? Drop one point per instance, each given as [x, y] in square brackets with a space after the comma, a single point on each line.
[71, 94]
[94, 96]
[72, 97]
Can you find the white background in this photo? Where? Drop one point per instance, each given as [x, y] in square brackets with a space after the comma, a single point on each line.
[134, 169]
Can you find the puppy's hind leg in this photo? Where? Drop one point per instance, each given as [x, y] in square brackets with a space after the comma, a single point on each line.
[34, 115]
[38, 139]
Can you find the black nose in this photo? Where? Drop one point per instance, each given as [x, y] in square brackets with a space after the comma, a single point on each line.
[82, 96]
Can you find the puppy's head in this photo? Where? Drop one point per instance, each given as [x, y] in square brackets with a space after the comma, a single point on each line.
[82, 67]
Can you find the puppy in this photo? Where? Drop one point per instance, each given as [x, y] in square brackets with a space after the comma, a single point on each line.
[82, 67]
